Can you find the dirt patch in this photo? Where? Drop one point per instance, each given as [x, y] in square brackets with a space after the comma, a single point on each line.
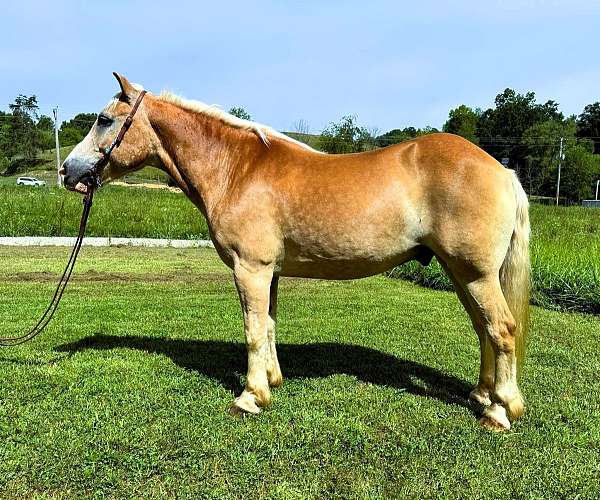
[148, 185]
[94, 276]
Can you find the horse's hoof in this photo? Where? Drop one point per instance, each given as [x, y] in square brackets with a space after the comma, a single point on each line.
[494, 419]
[480, 397]
[244, 405]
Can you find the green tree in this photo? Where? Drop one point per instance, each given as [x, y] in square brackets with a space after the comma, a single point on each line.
[542, 146]
[463, 121]
[580, 170]
[73, 131]
[346, 137]
[580, 167]
[22, 133]
[45, 126]
[500, 129]
[5, 126]
[240, 113]
[588, 124]
[45, 123]
[399, 135]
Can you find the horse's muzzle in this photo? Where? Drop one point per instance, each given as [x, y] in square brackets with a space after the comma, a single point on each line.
[78, 175]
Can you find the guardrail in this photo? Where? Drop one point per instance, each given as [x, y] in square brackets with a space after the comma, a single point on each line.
[591, 203]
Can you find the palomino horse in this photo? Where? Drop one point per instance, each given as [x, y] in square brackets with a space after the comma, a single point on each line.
[276, 207]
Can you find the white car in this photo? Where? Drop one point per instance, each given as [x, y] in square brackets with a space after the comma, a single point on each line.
[30, 181]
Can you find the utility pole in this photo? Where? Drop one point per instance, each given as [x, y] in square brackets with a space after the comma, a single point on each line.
[560, 158]
[57, 145]
[597, 185]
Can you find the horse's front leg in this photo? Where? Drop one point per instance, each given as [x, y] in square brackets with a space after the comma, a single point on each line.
[253, 284]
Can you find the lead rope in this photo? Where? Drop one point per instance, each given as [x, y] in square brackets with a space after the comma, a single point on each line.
[62, 283]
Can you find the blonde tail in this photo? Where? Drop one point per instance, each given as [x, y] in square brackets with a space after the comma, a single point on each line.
[515, 273]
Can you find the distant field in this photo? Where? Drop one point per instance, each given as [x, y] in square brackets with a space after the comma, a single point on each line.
[125, 395]
[47, 171]
[310, 139]
[49, 157]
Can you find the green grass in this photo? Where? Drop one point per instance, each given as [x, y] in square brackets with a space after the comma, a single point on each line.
[125, 395]
[565, 254]
[117, 211]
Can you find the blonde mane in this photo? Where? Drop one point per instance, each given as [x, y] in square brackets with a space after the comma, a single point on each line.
[213, 111]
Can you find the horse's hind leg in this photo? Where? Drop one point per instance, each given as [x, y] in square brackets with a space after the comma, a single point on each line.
[481, 394]
[498, 323]
[273, 369]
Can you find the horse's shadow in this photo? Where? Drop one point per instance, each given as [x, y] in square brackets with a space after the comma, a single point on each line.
[224, 361]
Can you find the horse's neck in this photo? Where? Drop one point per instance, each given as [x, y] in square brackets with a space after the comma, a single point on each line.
[200, 153]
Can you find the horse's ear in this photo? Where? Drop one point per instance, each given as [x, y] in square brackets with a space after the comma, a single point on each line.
[128, 91]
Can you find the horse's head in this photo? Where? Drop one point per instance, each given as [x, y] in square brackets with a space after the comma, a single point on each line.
[136, 149]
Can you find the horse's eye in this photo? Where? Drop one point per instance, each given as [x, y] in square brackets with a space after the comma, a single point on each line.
[104, 121]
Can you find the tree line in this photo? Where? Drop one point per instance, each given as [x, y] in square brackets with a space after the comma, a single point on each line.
[25, 133]
[518, 130]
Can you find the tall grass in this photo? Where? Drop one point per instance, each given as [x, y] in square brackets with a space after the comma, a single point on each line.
[117, 211]
[565, 254]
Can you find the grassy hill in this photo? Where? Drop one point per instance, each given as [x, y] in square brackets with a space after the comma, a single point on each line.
[311, 139]
[49, 157]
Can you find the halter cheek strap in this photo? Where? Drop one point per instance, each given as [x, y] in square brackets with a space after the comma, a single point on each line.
[106, 152]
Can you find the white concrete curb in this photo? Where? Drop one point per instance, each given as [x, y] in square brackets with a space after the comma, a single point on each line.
[56, 241]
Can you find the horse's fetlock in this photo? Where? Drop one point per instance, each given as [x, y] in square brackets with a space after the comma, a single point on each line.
[511, 399]
[261, 394]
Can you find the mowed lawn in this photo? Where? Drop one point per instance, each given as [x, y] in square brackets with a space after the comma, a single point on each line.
[126, 393]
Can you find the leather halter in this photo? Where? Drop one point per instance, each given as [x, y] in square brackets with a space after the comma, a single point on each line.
[106, 152]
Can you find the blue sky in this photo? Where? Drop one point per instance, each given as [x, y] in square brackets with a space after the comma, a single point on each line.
[392, 63]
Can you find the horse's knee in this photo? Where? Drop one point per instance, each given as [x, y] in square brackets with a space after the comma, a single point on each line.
[508, 328]
[255, 341]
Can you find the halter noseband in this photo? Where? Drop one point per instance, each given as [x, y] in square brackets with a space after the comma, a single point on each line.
[106, 152]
